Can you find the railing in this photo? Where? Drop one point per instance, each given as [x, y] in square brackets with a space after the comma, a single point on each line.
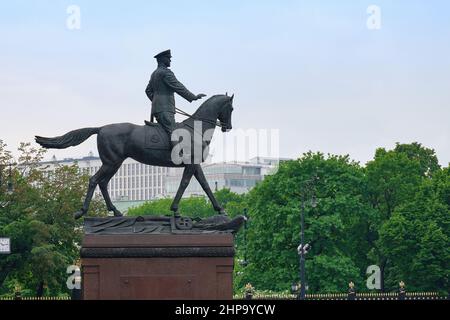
[346, 296]
[288, 296]
[266, 296]
[35, 298]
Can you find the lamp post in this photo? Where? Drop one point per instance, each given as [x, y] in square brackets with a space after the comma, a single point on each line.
[302, 254]
[244, 261]
[307, 192]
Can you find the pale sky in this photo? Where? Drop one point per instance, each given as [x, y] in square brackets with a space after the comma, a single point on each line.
[312, 69]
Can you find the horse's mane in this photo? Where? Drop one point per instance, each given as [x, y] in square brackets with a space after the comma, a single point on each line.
[208, 103]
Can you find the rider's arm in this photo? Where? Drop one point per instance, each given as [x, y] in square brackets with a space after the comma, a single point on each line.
[178, 87]
[149, 91]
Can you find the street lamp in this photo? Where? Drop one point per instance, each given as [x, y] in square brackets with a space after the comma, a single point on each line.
[307, 192]
[244, 262]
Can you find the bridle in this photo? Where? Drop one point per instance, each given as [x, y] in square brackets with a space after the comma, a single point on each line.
[217, 123]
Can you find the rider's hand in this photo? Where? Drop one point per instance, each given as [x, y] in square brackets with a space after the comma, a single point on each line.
[199, 96]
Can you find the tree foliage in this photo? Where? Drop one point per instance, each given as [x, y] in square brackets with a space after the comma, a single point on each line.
[416, 239]
[395, 179]
[334, 229]
[38, 217]
[192, 206]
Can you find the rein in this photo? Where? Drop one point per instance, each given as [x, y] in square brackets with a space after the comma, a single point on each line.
[216, 123]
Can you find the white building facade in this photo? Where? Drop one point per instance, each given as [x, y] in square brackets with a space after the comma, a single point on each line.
[239, 177]
[134, 181]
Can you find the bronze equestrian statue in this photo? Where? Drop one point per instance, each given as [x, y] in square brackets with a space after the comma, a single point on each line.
[150, 144]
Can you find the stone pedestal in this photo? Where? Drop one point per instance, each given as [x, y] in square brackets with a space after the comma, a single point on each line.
[157, 266]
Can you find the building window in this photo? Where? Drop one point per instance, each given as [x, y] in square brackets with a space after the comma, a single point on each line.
[235, 183]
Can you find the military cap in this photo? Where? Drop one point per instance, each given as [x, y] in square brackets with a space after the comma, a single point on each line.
[163, 54]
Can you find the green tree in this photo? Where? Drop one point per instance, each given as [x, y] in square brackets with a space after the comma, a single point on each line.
[335, 228]
[193, 206]
[38, 217]
[394, 178]
[416, 239]
[426, 157]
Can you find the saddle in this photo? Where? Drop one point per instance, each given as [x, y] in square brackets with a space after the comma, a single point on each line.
[156, 137]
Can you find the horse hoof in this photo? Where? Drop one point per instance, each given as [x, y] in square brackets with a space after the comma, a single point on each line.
[77, 215]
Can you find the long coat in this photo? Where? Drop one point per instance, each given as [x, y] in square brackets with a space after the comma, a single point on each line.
[161, 90]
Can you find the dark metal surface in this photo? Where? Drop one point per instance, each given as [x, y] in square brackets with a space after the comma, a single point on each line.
[162, 225]
[117, 142]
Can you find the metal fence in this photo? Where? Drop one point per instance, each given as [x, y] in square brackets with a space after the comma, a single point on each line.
[346, 296]
[288, 296]
[35, 298]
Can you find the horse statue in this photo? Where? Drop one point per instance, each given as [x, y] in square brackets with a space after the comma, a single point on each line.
[150, 144]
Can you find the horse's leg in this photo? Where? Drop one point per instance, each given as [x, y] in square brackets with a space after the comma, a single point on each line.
[187, 175]
[93, 181]
[199, 175]
[103, 184]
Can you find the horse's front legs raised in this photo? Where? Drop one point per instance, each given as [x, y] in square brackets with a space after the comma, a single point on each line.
[187, 175]
[199, 175]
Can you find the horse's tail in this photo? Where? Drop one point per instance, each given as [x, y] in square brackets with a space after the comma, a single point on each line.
[70, 139]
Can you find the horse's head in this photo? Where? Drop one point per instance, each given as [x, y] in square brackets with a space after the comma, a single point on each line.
[225, 113]
[218, 107]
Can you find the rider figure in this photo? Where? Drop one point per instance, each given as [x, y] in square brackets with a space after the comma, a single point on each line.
[160, 90]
